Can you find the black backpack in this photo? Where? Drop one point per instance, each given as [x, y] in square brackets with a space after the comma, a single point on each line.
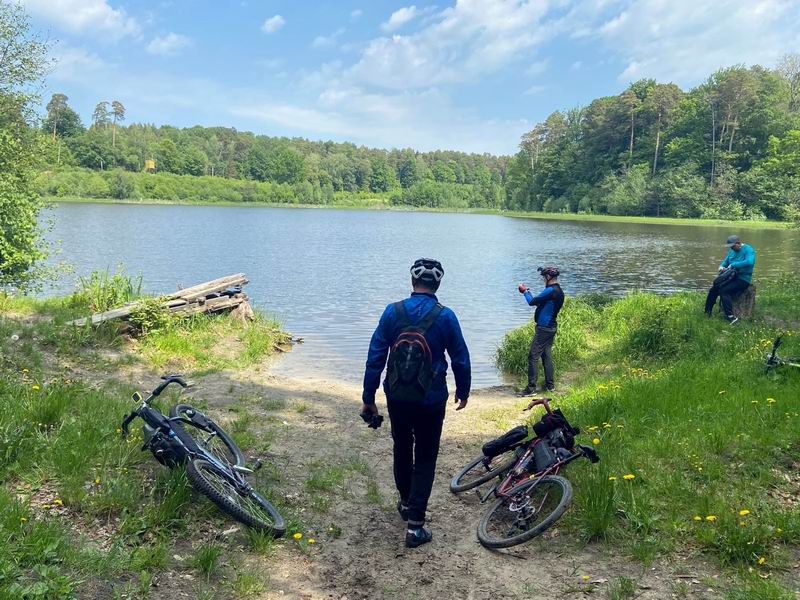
[409, 375]
[724, 277]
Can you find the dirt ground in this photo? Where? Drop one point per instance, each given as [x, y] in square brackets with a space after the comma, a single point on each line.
[360, 552]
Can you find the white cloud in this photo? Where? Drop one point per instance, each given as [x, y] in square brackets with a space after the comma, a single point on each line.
[356, 14]
[400, 17]
[272, 24]
[535, 89]
[168, 45]
[538, 67]
[685, 40]
[327, 40]
[85, 16]
[76, 64]
[461, 43]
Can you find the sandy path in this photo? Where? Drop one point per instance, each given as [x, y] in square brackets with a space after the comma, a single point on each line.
[317, 423]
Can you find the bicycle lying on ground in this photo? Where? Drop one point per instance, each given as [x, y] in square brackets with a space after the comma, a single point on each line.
[529, 493]
[774, 361]
[214, 463]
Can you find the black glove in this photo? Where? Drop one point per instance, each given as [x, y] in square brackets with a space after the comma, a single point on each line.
[372, 420]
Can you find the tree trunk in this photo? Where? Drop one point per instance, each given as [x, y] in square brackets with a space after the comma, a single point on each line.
[713, 142]
[733, 132]
[630, 149]
[658, 141]
[114, 133]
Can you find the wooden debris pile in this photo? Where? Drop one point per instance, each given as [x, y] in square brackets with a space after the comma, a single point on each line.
[220, 295]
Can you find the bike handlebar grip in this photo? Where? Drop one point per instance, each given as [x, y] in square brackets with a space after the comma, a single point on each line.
[126, 422]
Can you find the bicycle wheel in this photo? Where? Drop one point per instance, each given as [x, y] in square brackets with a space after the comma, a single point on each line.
[481, 470]
[207, 434]
[250, 508]
[524, 512]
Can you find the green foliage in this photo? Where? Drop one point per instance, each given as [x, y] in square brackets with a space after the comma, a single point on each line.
[102, 290]
[206, 558]
[23, 63]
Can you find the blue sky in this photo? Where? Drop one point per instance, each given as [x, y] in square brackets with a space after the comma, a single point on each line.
[471, 75]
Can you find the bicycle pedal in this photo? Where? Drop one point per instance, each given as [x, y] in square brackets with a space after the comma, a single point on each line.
[257, 464]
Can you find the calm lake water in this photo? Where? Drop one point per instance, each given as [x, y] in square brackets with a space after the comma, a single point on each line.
[328, 274]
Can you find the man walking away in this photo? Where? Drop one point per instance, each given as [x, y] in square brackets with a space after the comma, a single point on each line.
[548, 303]
[741, 259]
[414, 333]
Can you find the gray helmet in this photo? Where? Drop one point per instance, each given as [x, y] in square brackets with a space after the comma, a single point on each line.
[428, 270]
[732, 239]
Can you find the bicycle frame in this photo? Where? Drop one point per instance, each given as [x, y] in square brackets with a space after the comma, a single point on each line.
[519, 473]
[773, 360]
[161, 423]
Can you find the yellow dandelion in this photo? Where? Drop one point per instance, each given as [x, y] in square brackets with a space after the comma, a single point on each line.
[697, 518]
[761, 560]
[23, 519]
[24, 370]
[97, 481]
[620, 426]
[722, 392]
[312, 541]
[592, 428]
[612, 478]
[596, 441]
[753, 401]
[297, 535]
[58, 501]
[629, 476]
[770, 400]
[35, 387]
[118, 430]
[585, 577]
[742, 523]
[711, 518]
[778, 530]
[744, 512]
[46, 506]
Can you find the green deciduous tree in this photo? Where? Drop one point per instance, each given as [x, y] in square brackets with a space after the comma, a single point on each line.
[22, 63]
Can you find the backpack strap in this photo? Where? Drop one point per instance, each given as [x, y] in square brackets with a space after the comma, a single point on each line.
[430, 317]
[402, 315]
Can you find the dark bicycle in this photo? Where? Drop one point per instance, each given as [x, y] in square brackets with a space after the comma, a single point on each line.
[774, 361]
[214, 463]
[529, 493]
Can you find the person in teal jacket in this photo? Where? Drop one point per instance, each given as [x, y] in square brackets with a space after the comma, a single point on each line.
[741, 258]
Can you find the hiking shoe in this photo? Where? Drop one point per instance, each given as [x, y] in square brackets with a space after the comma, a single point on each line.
[528, 391]
[417, 536]
[732, 320]
[402, 509]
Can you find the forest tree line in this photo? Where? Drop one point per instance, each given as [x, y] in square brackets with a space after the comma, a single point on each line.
[729, 148]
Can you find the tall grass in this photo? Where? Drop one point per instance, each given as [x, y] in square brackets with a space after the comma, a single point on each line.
[103, 290]
[682, 403]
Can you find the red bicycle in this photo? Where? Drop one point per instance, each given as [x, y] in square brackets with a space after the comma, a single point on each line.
[530, 495]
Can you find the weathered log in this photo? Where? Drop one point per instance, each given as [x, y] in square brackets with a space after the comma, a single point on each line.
[212, 296]
[744, 303]
[243, 312]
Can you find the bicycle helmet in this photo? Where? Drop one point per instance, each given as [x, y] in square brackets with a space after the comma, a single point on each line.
[429, 271]
[550, 271]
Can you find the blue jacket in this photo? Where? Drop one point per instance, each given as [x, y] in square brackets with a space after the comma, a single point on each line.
[444, 334]
[743, 261]
[548, 303]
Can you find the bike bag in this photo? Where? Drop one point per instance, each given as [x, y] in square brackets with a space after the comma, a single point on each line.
[507, 441]
[552, 421]
[543, 456]
[724, 277]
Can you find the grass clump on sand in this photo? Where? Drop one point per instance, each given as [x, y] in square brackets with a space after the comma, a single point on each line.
[699, 447]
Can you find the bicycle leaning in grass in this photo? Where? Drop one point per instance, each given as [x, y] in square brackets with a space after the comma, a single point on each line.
[214, 463]
[774, 361]
[529, 493]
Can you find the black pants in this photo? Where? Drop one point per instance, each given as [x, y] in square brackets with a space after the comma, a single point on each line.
[726, 292]
[416, 431]
[542, 347]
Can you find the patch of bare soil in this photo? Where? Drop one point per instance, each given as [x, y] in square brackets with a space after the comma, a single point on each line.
[317, 423]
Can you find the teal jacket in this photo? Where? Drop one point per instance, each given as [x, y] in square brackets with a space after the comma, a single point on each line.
[743, 261]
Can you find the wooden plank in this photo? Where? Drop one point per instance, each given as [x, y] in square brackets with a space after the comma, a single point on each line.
[180, 300]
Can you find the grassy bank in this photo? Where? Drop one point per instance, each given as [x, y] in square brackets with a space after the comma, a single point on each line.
[382, 202]
[682, 406]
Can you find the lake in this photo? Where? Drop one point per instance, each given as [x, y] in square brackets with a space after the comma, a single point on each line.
[328, 274]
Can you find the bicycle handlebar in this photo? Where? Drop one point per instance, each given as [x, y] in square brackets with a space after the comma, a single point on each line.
[540, 402]
[127, 421]
[169, 379]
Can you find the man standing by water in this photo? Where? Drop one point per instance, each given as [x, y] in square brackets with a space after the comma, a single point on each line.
[548, 303]
[417, 331]
[741, 259]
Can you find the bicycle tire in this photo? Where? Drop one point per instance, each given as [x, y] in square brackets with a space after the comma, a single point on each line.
[234, 455]
[201, 474]
[490, 541]
[458, 484]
